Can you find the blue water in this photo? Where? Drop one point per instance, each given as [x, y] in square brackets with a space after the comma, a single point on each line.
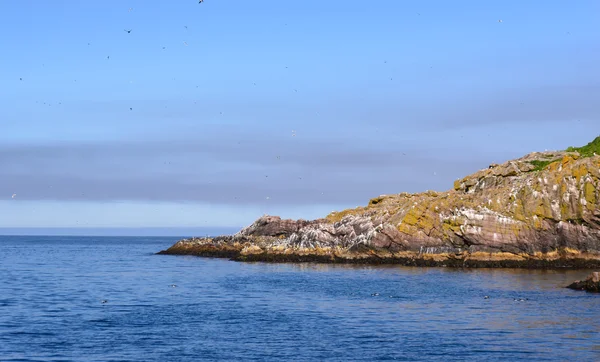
[51, 290]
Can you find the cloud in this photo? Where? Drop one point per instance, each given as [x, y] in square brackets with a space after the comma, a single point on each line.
[256, 171]
[476, 108]
[534, 105]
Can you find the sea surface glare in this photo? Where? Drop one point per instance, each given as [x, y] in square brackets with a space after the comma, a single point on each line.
[175, 308]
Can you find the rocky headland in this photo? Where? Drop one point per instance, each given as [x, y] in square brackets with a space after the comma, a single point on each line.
[538, 211]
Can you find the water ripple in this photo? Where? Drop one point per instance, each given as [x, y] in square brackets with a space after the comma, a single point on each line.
[52, 288]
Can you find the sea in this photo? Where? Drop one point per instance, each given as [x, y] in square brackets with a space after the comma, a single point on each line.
[113, 299]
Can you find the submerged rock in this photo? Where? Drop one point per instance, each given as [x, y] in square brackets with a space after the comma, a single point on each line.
[542, 210]
[591, 284]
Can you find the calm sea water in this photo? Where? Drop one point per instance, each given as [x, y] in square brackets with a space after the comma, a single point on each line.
[51, 290]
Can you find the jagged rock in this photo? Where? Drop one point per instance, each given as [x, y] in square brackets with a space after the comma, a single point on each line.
[591, 284]
[275, 226]
[540, 210]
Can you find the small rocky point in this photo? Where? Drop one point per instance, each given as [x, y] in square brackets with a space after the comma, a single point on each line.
[591, 284]
[538, 211]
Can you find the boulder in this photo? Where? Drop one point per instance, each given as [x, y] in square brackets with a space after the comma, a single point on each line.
[591, 284]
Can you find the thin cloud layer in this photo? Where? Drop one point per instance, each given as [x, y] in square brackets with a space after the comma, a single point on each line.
[217, 171]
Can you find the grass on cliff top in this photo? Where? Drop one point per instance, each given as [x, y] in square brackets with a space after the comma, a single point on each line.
[585, 151]
[540, 165]
[589, 149]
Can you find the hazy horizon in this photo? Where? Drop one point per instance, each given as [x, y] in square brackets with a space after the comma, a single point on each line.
[124, 231]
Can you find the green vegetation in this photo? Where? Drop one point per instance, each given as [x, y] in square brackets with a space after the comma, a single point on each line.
[587, 150]
[540, 165]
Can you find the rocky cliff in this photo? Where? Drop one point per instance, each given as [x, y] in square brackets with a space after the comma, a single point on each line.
[541, 210]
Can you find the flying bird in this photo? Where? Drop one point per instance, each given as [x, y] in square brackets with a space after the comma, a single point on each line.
[14, 195]
[128, 31]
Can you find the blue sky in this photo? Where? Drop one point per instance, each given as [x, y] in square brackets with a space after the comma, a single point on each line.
[213, 114]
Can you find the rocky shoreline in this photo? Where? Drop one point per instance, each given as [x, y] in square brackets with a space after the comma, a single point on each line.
[249, 248]
[206, 248]
[539, 211]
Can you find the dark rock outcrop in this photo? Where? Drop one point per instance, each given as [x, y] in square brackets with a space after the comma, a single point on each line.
[542, 210]
[591, 284]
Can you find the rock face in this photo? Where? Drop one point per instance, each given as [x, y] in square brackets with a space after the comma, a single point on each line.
[542, 210]
[591, 284]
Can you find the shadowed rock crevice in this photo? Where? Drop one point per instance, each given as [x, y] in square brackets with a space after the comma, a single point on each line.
[542, 210]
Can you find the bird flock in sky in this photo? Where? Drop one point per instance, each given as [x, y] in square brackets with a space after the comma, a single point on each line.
[129, 31]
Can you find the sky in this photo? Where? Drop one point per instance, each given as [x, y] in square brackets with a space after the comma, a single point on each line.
[172, 114]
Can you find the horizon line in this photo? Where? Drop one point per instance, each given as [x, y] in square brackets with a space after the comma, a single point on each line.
[119, 231]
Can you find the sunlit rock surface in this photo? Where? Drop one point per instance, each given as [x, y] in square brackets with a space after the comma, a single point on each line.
[542, 210]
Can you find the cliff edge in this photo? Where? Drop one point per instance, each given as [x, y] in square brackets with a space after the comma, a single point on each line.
[541, 210]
